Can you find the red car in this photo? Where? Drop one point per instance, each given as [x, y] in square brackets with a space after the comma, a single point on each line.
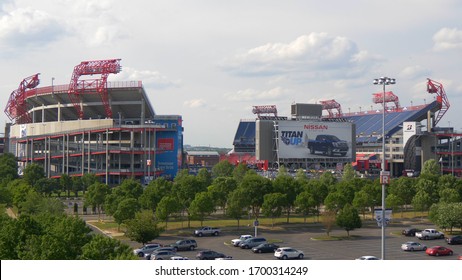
[439, 251]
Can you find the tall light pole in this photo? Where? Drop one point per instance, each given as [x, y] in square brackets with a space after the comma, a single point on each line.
[383, 81]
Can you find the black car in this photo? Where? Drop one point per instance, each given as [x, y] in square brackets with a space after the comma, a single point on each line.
[265, 248]
[209, 255]
[410, 231]
[454, 240]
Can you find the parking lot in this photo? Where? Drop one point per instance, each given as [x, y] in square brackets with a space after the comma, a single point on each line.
[364, 241]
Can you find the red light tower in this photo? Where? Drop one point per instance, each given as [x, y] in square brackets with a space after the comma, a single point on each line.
[441, 98]
[16, 108]
[389, 97]
[332, 104]
[90, 86]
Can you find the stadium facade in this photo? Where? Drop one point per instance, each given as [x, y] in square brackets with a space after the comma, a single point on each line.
[93, 126]
[412, 136]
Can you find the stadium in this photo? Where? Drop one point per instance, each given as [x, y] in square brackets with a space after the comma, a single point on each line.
[93, 126]
[411, 134]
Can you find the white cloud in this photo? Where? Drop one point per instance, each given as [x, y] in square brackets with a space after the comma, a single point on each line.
[150, 78]
[26, 27]
[315, 55]
[195, 103]
[413, 72]
[253, 95]
[447, 39]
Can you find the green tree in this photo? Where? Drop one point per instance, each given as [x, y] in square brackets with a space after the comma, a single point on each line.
[185, 188]
[8, 167]
[256, 187]
[236, 205]
[154, 192]
[76, 185]
[6, 196]
[222, 169]
[66, 183]
[202, 206]
[239, 172]
[348, 172]
[430, 170]
[305, 204]
[404, 188]
[96, 196]
[88, 179]
[348, 218]
[286, 184]
[143, 228]
[45, 186]
[422, 201]
[167, 206]
[101, 247]
[273, 204]
[220, 189]
[446, 215]
[61, 238]
[32, 173]
[126, 210]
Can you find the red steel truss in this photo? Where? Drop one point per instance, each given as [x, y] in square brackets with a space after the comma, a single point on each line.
[441, 98]
[332, 104]
[389, 97]
[265, 109]
[16, 108]
[91, 86]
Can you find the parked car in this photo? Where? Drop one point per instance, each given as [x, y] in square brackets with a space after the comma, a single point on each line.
[241, 238]
[367, 258]
[288, 253]
[207, 231]
[160, 249]
[162, 255]
[146, 249]
[410, 231]
[252, 242]
[265, 248]
[439, 251]
[413, 246]
[187, 244]
[429, 233]
[209, 255]
[454, 240]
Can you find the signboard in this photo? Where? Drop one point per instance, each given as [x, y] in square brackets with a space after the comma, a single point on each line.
[165, 144]
[379, 214]
[313, 139]
[385, 177]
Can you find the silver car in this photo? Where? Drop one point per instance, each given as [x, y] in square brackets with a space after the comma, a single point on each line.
[163, 255]
[413, 246]
[146, 249]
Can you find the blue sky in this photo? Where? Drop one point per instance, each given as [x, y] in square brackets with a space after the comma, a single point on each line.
[211, 61]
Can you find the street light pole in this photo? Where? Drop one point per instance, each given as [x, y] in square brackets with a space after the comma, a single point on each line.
[383, 81]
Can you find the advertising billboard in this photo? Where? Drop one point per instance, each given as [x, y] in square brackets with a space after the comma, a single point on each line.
[315, 139]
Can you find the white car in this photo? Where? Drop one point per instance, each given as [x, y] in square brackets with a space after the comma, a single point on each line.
[367, 258]
[236, 242]
[288, 253]
[413, 246]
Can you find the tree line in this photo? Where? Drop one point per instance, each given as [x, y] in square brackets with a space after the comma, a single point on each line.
[238, 193]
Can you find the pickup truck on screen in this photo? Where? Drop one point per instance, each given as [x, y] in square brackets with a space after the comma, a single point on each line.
[328, 145]
[207, 231]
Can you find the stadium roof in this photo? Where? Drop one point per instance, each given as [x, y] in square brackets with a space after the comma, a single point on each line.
[369, 124]
[126, 100]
